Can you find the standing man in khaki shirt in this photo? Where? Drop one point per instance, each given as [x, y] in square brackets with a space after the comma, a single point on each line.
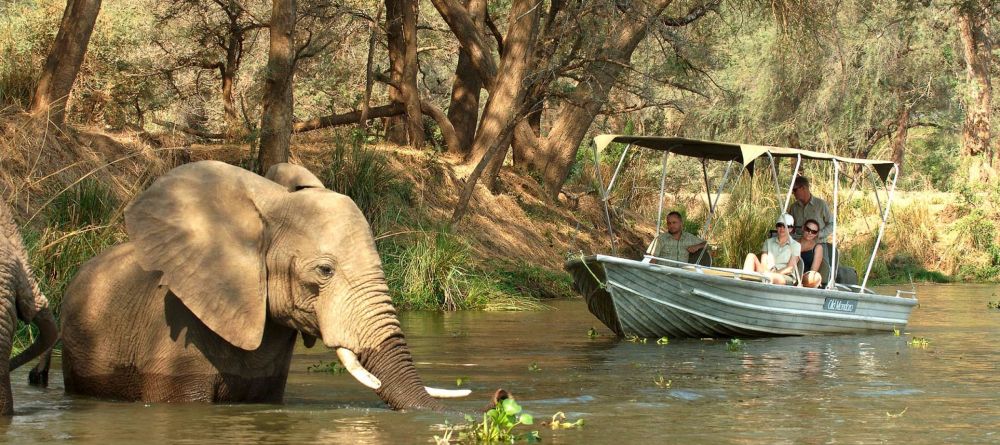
[806, 207]
[676, 244]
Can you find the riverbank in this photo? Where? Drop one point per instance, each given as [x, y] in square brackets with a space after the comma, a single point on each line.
[69, 191]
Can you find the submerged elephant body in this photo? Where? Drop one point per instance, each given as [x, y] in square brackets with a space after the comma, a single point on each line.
[224, 269]
[169, 357]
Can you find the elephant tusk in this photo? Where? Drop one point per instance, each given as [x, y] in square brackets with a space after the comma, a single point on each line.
[439, 393]
[350, 361]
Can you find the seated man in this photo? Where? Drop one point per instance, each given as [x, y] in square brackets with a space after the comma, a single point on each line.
[779, 256]
[676, 244]
[806, 206]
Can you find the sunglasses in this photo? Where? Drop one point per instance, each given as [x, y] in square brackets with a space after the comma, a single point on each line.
[779, 226]
[808, 230]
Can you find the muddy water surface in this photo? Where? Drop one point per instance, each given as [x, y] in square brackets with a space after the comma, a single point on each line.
[840, 389]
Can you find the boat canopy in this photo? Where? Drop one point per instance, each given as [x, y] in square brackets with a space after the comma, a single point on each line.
[724, 151]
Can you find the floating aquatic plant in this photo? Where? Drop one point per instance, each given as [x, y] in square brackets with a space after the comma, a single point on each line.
[661, 382]
[919, 342]
[533, 367]
[592, 333]
[634, 339]
[663, 341]
[735, 345]
[330, 367]
[559, 422]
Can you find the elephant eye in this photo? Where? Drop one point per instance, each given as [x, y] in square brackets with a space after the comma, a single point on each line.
[325, 270]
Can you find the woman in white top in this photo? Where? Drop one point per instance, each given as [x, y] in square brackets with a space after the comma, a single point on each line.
[779, 256]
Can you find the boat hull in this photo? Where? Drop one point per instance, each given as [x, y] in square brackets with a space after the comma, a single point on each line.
[651, 301]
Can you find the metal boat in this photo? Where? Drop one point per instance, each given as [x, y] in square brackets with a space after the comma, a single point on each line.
[682, 300]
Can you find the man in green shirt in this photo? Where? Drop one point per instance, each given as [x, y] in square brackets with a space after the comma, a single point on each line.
[806, 207]
[676, 244]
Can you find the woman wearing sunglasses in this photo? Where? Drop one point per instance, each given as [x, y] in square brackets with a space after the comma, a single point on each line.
[779, 256]
[812, 254]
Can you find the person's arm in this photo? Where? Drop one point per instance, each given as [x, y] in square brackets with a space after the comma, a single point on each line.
[700, 243]
[790, 267]
[817, 258]
[827, 217]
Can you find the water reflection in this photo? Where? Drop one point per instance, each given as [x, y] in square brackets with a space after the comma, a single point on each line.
[836, 389]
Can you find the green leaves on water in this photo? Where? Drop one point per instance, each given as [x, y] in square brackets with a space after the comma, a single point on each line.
[736, 345]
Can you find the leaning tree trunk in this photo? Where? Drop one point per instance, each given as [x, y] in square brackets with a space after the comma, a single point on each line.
[974, 30]
[507, 94]
[503, 108]
[276, 122]
[463, 113]
[64, 60]
[581, 107]
[899, 139]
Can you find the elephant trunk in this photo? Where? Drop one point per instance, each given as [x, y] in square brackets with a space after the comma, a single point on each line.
[390, 361]
[48, 334]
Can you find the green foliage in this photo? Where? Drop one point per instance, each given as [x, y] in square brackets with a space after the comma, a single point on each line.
[736, 345]
[79, 224]
[743, 222]
[534, 281]
[435, 270]
[498, 425]
[365, 175]
[332, 367]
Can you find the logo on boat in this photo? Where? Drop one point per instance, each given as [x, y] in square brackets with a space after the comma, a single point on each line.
[839, 305]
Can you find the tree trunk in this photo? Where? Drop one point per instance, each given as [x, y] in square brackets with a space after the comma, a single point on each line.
[276, 122]
[974, 30]
[578, 111]
[395, 127]
[507, 95]
[64, 59]
[470, 39]
[899, 139]
[504, 106]
[411, 95]
[464, 109]
[234, 50]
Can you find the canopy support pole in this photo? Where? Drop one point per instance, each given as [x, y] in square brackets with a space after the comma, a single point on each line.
[621, 161]
[659, 210]
[708, 188]
[881, 228]
[833, 255]
[774, 174]
[791, 184]
[711, 213]
[604, 198]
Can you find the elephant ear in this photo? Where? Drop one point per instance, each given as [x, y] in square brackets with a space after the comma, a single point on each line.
[293, 177]
[201, 225]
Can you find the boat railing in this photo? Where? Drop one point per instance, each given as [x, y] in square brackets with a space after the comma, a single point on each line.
[708, 270]
[911, 294]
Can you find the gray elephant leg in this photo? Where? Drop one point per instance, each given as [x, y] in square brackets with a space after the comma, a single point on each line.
[8, 327]
[39, 375]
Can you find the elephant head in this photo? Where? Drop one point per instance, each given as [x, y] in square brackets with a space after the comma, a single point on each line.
[237, 248]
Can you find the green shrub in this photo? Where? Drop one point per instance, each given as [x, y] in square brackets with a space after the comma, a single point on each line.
[435, 270]
[365, 176]
[79, 224]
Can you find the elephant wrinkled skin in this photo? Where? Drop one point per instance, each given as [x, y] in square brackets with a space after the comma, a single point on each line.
[224, 269]
[21, 299]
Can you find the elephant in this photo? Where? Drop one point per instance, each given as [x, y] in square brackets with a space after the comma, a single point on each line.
[20, 298]
[223, 270]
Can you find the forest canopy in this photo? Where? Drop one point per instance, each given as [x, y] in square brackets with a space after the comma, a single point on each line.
[525, 80]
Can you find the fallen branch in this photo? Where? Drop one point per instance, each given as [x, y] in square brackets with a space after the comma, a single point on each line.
[351, 117]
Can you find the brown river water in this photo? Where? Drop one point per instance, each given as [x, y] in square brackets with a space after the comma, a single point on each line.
[812, 390]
